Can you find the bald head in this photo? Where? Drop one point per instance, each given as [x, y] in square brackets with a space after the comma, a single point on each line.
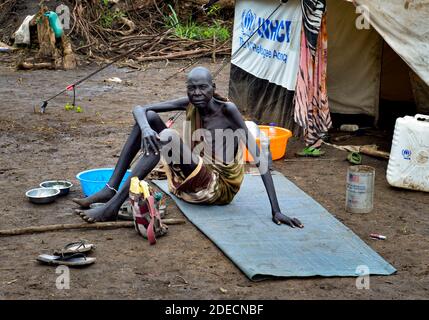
[200, 73]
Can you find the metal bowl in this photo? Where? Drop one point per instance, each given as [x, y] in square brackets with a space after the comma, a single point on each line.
[42, 195]
[62, 185]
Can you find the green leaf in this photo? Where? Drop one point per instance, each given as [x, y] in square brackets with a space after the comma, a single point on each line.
[68, 107]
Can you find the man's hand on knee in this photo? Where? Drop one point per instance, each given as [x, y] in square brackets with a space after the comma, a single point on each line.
[150, 142]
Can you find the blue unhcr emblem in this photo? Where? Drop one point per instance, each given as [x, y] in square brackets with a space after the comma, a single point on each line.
[406, 154]
[273, 30]
[248, 19]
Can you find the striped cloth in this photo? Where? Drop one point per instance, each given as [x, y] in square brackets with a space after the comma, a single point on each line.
[312, 12]
[311, 97]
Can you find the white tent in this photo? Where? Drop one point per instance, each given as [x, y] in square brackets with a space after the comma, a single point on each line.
[384, 56]
[362, 67]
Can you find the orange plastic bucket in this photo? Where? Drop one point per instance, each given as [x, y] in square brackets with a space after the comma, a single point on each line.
[278, 142]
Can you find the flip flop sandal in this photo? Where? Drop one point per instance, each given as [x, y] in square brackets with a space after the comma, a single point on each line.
[75, 247]
[125, 215]
[310, 152]
[74, 260]
[354, 158]
[126, 212]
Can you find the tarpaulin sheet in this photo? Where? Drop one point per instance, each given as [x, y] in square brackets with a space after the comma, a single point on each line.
[354, 62]
[355, 57]
[404, 25]
[261, 101]
[266, 41]
[243, 230]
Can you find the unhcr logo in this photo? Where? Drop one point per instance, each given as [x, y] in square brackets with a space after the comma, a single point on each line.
[274, 30]
[248, 19]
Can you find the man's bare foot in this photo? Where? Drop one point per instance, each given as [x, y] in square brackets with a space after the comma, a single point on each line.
[103, 195]
[98, 214]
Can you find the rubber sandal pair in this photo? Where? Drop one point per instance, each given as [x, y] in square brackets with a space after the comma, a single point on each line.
[73, 255]
[74, 260]
[310, 152]
[354, 158]
[147, 219]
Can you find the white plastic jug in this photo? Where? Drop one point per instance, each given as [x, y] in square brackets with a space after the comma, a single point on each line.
[409, 157]
[253, 128]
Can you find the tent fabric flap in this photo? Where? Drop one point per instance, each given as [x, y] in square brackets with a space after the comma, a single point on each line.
[404, 25]
[354, 62]
[266, 40]
[261, 101]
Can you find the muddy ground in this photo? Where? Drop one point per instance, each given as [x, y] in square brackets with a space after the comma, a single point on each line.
[62, 143]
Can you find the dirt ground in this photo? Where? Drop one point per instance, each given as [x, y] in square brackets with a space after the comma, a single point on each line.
[184, 264]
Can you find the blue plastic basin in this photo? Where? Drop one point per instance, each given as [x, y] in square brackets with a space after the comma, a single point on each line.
[94, 180]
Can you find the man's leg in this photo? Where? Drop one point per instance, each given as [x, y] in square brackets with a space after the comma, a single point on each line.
[129, 151]
[110, 210]
[144, 166]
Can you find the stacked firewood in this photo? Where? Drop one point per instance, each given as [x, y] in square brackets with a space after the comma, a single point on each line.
[139, 25]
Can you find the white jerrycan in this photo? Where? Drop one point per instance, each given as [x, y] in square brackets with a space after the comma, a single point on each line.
[409, 157]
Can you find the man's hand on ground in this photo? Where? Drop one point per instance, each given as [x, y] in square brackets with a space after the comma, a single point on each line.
[150, 141]
[279, 218]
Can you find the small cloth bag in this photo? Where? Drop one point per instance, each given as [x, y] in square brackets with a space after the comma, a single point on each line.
[147, 220]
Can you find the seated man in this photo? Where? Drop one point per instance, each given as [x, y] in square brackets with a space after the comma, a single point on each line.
[211, 177]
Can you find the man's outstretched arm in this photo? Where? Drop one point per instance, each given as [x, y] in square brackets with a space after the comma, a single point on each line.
[249, 141]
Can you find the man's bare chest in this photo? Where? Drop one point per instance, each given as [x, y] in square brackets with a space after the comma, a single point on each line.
[217, 122]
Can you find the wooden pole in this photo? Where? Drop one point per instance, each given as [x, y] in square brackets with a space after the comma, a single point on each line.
[214, 48]
[97, 225]
[374, 152]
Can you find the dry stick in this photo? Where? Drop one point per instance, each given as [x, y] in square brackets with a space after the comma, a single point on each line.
[36, 65]
[85, 46]
[157, 8]
[158, 41]
[374, 153]
[140, 37]
[214, 48]
[181, 70]
[173, 55]
[3, 4]
[313, 159]
[129, 42]
[177, 46]
[97, 225]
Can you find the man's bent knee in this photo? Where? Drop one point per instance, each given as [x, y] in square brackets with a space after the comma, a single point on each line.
[155, 120]
[152, 115]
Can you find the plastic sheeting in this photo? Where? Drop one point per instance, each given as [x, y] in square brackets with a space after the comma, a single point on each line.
[266, 39]
[404, 25]
[421, 93]
[354, 62]
[243, 230]
[261, 101]
[22, 35]
[395, 77]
